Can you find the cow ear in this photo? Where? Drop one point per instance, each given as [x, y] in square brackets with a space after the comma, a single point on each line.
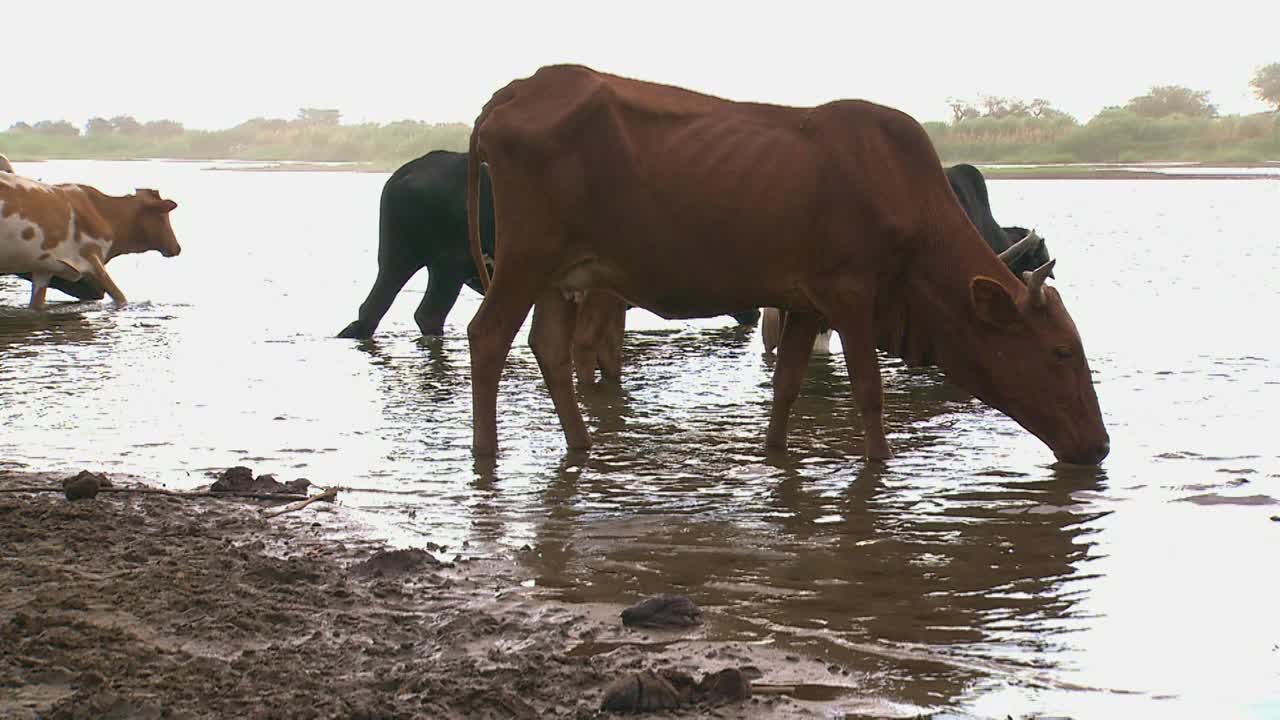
[992, 303]
[169, 205]
[162, 205]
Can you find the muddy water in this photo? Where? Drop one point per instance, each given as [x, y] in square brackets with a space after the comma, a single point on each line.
[969, 577]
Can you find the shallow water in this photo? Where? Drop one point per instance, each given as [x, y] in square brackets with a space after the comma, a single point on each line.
[969, 577]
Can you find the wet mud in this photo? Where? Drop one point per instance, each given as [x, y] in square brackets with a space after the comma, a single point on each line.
[151, 606]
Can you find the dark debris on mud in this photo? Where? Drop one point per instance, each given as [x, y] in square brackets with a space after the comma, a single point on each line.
[148, 606]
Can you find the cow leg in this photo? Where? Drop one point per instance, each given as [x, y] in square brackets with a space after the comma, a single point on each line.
[391, 278]
[100, 272]
[854, 318]
[489, 335]
[610, 349]
[587, 331]
[788, 374]
[771, 321]
[597, 336]
[442, 293]
[39, 286]
[550, 338]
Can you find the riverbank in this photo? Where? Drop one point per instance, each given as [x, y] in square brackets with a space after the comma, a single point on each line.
[150, 606]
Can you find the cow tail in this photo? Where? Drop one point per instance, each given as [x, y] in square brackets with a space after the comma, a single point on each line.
[474, 161]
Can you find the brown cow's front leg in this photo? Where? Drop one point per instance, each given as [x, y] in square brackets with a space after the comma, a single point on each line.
[551, 338]
[100, 273]
[490, 335]
[798, 332]
[39, 288]
[858, 340]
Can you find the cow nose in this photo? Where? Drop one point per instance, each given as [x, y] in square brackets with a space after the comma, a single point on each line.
[1101, 450]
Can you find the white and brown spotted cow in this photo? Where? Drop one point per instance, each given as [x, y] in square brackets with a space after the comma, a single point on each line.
[71, 230]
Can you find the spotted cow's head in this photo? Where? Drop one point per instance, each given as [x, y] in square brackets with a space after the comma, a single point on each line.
[153, 219]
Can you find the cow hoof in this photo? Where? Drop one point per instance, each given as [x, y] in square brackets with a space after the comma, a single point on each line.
[355, 330]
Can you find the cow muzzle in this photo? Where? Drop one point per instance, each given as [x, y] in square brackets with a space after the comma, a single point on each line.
[1087, 455]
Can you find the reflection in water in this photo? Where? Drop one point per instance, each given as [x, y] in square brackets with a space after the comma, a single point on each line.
[968, 574]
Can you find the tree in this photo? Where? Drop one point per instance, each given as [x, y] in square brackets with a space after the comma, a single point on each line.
[126, 125]
[56, 127]
[162, 128]
[1165, 100]
[97, 126]
[1266, 84]
[962, 110]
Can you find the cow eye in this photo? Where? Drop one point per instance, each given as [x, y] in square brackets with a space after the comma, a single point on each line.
[1062, 352]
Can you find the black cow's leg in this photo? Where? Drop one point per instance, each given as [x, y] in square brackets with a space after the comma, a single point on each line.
[83, 289]
[442, 293]
[788, 374]
[391, 277]
[747, 317]
[550, 338]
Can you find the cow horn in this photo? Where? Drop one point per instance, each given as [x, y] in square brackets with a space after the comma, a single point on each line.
[1035, 282]
[1015, 251]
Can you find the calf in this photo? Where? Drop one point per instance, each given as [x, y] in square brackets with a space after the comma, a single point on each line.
[71, 231]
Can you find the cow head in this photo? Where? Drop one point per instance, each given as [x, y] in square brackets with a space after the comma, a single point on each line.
[1028, 361]
[155, 232]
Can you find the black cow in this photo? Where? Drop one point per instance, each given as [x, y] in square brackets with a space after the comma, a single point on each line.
[422, 222]
[971, 189]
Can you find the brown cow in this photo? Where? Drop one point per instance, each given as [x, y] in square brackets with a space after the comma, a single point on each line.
[69, 231]
[693, 206]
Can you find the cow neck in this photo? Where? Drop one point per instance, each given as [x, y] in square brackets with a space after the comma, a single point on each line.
[932, 314]
[121, 216]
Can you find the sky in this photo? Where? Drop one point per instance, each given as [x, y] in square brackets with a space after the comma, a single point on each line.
[214, 65]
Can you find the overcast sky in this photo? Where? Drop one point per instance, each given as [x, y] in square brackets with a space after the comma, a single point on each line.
[213, 65]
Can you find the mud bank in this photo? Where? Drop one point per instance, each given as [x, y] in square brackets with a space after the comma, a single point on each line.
[148, 606]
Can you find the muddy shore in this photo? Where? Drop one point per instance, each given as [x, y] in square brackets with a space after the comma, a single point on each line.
[149, 606]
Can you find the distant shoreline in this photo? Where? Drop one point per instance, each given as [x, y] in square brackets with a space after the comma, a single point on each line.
[1127, 171]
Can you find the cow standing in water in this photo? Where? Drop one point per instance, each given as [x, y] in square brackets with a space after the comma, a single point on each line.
[840, 211]
[971, 190]
[71, 231]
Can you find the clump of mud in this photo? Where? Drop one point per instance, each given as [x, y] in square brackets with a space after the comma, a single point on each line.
[240, 479]
[663, 611]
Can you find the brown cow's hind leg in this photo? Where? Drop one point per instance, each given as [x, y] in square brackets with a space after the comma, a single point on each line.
[550, 338]
[798, 332]
[490, 335]
[610, 349]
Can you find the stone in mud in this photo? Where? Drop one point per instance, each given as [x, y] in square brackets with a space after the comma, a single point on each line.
[640, 692]
[390, 563]
[84, 486]
[728, 685]
[663, 611]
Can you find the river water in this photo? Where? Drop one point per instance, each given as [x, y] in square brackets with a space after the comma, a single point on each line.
[969, 577]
